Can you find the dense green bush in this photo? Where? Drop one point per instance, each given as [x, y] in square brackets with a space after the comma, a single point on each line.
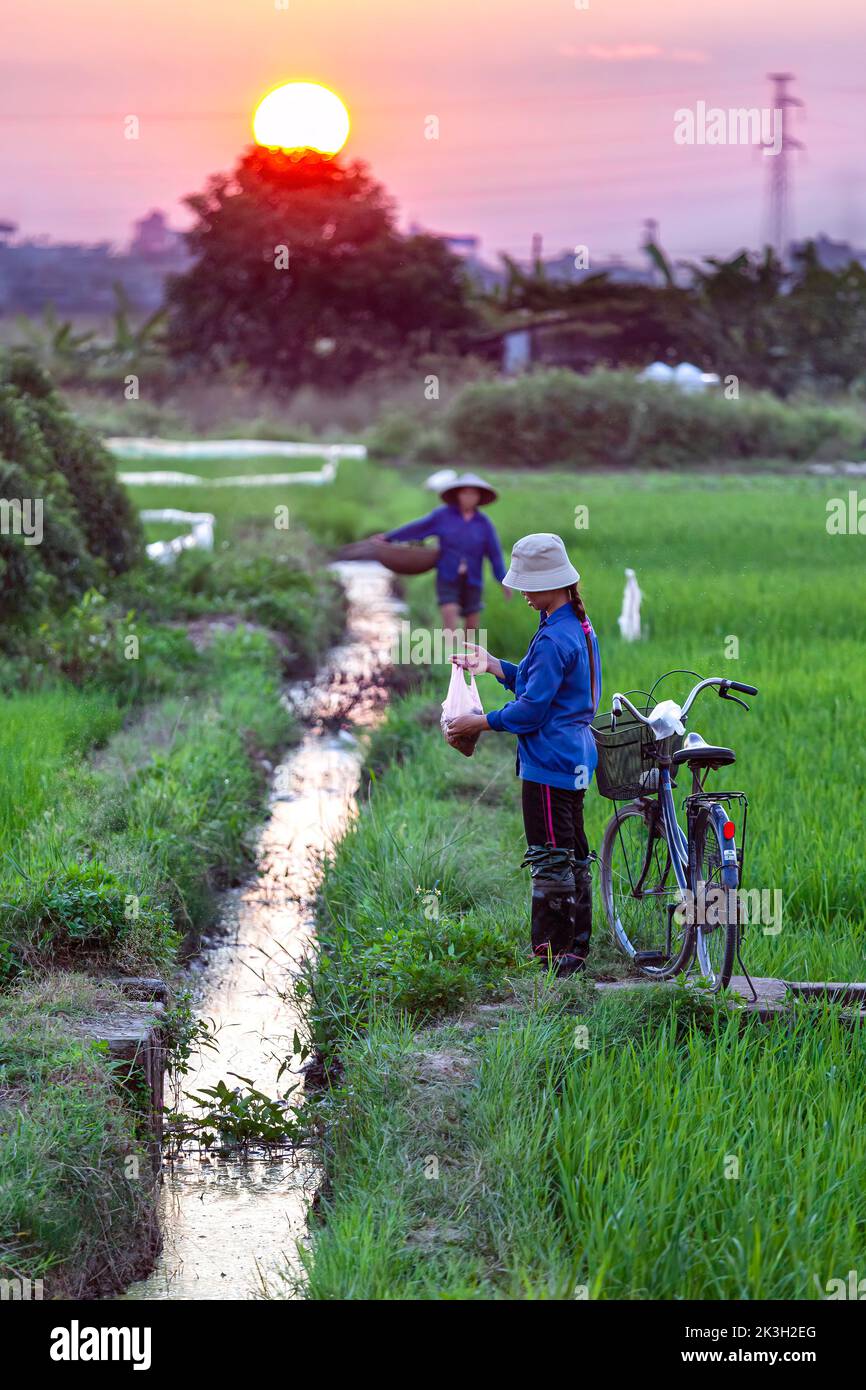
[96, 643]
[262, 580]
[51, 570]
[84, 912]
[89, 528]
[609, 419]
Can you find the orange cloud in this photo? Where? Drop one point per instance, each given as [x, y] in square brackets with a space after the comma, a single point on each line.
[633, 53]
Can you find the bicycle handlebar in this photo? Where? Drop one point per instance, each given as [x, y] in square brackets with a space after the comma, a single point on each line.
[618, 700]
[616, 705]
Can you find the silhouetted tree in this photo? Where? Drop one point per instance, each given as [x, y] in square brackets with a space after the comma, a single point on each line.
[301, 275]
[777, 328]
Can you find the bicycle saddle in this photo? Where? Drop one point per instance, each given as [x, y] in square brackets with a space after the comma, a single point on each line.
[704, 755]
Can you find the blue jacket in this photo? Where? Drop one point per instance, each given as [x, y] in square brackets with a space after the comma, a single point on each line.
[555, 705]
[459, 540]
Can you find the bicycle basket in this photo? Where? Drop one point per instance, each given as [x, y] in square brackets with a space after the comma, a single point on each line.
[626, 756]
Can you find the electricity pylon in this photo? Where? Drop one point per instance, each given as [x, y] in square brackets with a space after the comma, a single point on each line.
[779, 189]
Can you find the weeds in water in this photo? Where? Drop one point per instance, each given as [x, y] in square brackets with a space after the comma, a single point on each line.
[236, 1117]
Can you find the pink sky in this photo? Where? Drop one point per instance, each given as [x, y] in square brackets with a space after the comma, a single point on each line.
[553, 119]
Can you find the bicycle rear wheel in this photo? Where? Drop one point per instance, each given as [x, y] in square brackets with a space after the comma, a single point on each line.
[714, 880]
[641, 894]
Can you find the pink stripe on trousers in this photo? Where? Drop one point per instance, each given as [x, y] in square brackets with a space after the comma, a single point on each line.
[549, 808]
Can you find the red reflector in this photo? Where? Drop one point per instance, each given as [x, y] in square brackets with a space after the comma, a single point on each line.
[729, 830]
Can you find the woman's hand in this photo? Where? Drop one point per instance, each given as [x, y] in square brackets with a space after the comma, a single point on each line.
[507, 593]
[476, 660]
[466, 724]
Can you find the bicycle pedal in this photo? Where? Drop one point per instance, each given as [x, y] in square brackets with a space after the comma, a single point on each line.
[650, 958]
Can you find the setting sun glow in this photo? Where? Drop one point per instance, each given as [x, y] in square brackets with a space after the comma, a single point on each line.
[302, 116]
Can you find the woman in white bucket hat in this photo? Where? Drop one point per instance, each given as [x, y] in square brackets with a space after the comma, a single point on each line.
[557, 687]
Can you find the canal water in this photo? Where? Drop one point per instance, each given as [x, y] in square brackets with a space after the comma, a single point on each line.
[231, 1224]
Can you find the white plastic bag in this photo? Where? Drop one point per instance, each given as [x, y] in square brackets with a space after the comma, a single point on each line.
[461, 699]
[665, 719]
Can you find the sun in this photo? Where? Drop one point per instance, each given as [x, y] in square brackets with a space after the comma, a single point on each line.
[301, 116]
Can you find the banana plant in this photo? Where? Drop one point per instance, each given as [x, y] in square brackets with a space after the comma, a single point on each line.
[53, 338]
[132, 342]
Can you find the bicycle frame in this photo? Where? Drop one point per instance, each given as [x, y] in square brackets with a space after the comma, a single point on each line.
[678, 844]
[677, 838]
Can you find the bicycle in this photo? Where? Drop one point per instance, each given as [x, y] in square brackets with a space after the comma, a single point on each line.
[669, 894]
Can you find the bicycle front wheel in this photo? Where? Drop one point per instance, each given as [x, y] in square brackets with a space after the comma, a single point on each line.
[641, 894]
[714, 879]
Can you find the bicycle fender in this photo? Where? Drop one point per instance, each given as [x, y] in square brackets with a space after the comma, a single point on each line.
[730, 866]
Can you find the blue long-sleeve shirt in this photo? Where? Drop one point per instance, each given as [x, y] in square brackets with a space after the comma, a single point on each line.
[461, 540]
[554, 703]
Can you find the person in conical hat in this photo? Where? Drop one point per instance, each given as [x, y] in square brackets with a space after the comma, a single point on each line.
[557, 687]
[466, 537]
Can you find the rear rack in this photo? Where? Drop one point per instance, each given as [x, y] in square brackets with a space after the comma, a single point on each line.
[694, 803]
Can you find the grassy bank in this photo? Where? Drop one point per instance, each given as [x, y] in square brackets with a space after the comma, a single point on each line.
[129, 797]
[123, 857]
[111, 862]
[493, 1158]
[495, 1135]
[76, 1206]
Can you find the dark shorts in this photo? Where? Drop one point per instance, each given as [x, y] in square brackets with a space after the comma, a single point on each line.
[468, 596]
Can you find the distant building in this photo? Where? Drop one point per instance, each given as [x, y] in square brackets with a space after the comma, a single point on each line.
[563, 270]
[462, 245]
[517, 346]
[832, 255]
[79, 278]
[153, 239]
[554, 339]
[468, 249]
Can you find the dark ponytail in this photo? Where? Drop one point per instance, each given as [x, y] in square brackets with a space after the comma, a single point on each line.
[580, 612]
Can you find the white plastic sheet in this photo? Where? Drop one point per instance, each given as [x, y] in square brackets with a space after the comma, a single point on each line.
[685, 377]
[127, 447]
[161, 478]
[200, 537]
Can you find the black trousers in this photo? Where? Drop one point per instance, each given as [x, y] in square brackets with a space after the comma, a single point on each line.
[561, 896]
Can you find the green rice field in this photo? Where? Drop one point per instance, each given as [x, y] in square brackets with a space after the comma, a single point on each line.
[498, 1135]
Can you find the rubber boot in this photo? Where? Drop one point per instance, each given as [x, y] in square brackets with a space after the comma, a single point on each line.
[582, 907]
[554, 901]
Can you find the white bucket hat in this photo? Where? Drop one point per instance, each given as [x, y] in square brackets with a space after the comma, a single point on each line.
[540, 562]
